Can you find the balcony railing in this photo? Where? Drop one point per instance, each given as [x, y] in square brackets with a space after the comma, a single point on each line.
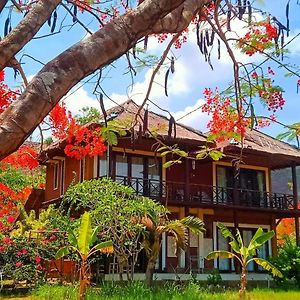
[205, 195]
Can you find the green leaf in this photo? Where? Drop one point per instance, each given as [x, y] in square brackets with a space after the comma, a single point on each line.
[259, 238]
[268, 266]
[62, 252]
[168, 164]
[220, 254]
[165, 153]
[196, 225]
[216, 155]
[85, 233]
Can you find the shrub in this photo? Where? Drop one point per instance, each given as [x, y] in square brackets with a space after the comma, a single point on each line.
[288, 261]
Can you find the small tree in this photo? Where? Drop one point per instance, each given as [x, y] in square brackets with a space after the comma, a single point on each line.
[245, 254]
[156, 224]
[118, 211]
[82, 245]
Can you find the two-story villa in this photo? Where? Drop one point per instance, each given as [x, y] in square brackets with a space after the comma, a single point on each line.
[211, 190]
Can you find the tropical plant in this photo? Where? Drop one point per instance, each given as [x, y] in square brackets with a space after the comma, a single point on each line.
[157, 224]
[245, 254]
[82, 245]
[118, 211]
[288, 261]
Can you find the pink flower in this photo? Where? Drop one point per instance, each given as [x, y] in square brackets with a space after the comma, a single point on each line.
[53, 237]
[18, 264]
[298, 82]
[19, 253]
[10, 219]
[2, 249]
[7, 240]
[38, 260]
[24, 251]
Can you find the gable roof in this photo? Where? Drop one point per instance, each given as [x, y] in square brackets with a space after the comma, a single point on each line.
[156, 122]
[280, 153]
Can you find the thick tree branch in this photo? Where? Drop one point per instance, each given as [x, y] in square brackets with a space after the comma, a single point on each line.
[180, 18]
[2, 4]
[25, 30]
[63, 72]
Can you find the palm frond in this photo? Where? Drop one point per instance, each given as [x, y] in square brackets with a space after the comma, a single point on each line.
[195, 224]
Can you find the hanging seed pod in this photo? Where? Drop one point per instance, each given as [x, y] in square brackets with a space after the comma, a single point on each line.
[207, 37]
[145, 121]
[287, 9]
[212, 37]
[205, 49]
[6, 26]
[146, 42]
[228, 20]
[134, 51]
[172, 67]
[103, 109]
[54, 21]
[171, 127]
[240, 9]
[49, 21]
[219, 49]
[249, 12]
[166, 82]
[140, 133]
[74, 13]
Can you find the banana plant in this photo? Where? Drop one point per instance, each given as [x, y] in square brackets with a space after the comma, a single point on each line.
[245, 254]
[82, 245]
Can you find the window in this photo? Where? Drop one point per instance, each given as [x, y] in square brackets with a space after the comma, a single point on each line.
[102, 166]
[55, 178]
[82, 169]
[62, 177]
[223, 244]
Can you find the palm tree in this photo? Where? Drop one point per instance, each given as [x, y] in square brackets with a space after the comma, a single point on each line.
[156, 224]
[82, 245]
[245, 254]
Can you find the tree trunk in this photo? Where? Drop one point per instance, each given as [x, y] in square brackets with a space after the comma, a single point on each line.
[96, 51]
[84, 279]
[150, 271]
[243, 288]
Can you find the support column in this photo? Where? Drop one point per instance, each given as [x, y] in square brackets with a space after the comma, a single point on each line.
[274, 239]
[295, 195]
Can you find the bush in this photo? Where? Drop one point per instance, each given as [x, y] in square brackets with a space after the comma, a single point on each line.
[288, 262]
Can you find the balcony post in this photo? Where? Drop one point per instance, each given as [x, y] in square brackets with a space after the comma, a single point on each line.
[186, 209]
[295, 196]
[236, 175]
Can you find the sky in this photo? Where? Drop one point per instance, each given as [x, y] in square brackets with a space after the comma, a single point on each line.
[185, 86]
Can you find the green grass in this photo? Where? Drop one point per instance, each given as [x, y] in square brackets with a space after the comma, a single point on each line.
[167, 291]
[137, 291]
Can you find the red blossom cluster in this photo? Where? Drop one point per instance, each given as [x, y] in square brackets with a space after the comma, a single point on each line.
[81, 140]
[258, 38]
[24, 158]
[179, 42]
[225, 123]
[7, 96]
[8, 205]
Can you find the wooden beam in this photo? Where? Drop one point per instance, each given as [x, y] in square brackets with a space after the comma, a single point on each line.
[295, 188]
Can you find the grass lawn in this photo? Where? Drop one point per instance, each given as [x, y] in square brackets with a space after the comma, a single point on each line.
[168, 291]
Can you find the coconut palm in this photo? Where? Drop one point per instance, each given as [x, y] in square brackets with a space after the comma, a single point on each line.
[82, 245]
[156, 224]
[245, 254]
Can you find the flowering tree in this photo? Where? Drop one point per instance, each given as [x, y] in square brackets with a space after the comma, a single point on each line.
[123, 25]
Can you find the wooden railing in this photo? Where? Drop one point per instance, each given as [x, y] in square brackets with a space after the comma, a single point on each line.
[205, 195]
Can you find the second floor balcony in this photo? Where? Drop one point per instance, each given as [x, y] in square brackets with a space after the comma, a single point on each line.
[197, 195]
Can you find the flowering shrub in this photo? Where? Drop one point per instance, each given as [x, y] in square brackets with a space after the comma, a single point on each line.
[19, 259]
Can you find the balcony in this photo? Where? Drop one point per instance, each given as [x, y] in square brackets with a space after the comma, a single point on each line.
[197, 195]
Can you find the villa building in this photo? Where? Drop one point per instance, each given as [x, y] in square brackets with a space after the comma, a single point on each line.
[215, 191]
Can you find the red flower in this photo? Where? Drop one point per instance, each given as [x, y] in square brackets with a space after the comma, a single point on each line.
[24, 251]
[18, 264]
[298, 82]
[7, 240]
[19, 253]
[38, 260]
[2, 249]
[10, 219]
[254, 75]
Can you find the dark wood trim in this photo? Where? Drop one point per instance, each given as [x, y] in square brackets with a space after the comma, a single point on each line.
[295, 188]
[297, 231]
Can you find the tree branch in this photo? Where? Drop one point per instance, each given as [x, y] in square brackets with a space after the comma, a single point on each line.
[58, 76]
[25, 30]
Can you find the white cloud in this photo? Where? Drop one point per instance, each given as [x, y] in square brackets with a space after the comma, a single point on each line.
[77, 99]
[193, 116]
